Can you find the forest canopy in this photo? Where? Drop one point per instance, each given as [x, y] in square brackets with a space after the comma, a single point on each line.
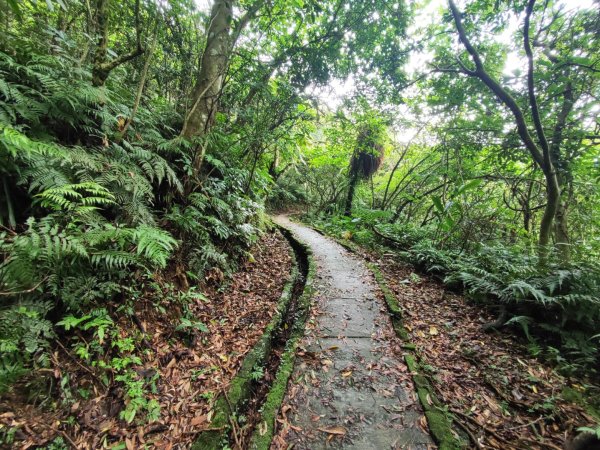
[143, 144]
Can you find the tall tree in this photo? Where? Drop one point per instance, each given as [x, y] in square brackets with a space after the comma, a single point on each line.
[220, 42]
[539, 146]
[367, 157]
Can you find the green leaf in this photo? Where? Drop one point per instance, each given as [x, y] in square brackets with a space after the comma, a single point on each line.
[468, 186]
[14, 6]
[437, 202]
[72, 321]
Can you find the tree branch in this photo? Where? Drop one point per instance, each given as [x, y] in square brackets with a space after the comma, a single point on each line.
[495, 87]
[535, 112]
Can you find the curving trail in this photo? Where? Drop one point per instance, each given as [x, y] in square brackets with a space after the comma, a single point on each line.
[349, 388]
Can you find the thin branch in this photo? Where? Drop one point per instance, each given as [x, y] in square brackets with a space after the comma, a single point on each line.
[495, 87]
[27, 291]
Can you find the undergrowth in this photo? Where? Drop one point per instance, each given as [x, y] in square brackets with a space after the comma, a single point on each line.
[555, 304]
[92, 221]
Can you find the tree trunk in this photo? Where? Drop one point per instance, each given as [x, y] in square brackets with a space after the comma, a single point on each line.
[98, 75]
[205, 95]
[102, 67]
[552, 202]
[561, 232]
[350, 196]
[540, 154]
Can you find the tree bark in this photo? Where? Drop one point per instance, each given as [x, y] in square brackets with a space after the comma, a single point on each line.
[552, 186]
[102, 66]
[540, 155]
[561, 230]
[213, 65]
[350, 197]
[212, 71]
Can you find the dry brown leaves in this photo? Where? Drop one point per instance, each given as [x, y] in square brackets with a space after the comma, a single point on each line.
[189, 376]
[505, 397]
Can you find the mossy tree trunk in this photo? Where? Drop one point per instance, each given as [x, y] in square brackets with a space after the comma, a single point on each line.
[350, 196]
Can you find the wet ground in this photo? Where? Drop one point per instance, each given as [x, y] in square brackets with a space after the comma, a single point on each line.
[349, 388]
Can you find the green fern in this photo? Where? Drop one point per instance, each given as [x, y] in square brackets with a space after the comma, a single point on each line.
[81, 196]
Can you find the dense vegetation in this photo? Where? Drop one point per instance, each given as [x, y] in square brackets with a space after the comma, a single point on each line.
[463, 192]
[141, 143]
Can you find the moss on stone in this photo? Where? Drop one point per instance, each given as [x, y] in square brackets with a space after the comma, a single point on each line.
[440, 422]
[354, 248]
[240, 386]
[440, 425]
[263, 434]
[411, 363]
[390, 299]
[401, 332]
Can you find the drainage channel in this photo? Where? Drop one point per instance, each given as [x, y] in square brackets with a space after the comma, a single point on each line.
[240, 416]
[251, 411]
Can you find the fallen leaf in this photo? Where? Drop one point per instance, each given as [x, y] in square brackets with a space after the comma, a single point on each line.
[429, 401]
[198, 420]
[340, 431]
[433, 331]
[423, 423]
[516, 394]
[262, 428]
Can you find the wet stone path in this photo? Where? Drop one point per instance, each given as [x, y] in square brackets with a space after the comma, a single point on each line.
[349, 389]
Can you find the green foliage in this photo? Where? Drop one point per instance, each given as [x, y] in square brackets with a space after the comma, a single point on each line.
[136, 400]
[91, 213]
[24, 335]
[48, 254]
[218, 221]
[189, 324]
[81, 197]
[555, 302]
[595, 430]
[87, 213]
[106, 348]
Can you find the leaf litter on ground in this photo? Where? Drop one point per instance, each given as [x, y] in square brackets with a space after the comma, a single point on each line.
[507, 398]
[188, 375]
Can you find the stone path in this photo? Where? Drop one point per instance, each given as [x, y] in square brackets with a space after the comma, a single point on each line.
[348, 390]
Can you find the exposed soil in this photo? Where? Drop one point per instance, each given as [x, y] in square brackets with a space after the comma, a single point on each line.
[188, 371]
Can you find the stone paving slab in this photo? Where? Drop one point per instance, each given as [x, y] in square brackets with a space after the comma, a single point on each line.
[343, 379]
[349, 317]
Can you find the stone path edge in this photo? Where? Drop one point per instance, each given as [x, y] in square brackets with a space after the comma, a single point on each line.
[439, 419]
[263, 434]
[226, 405]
